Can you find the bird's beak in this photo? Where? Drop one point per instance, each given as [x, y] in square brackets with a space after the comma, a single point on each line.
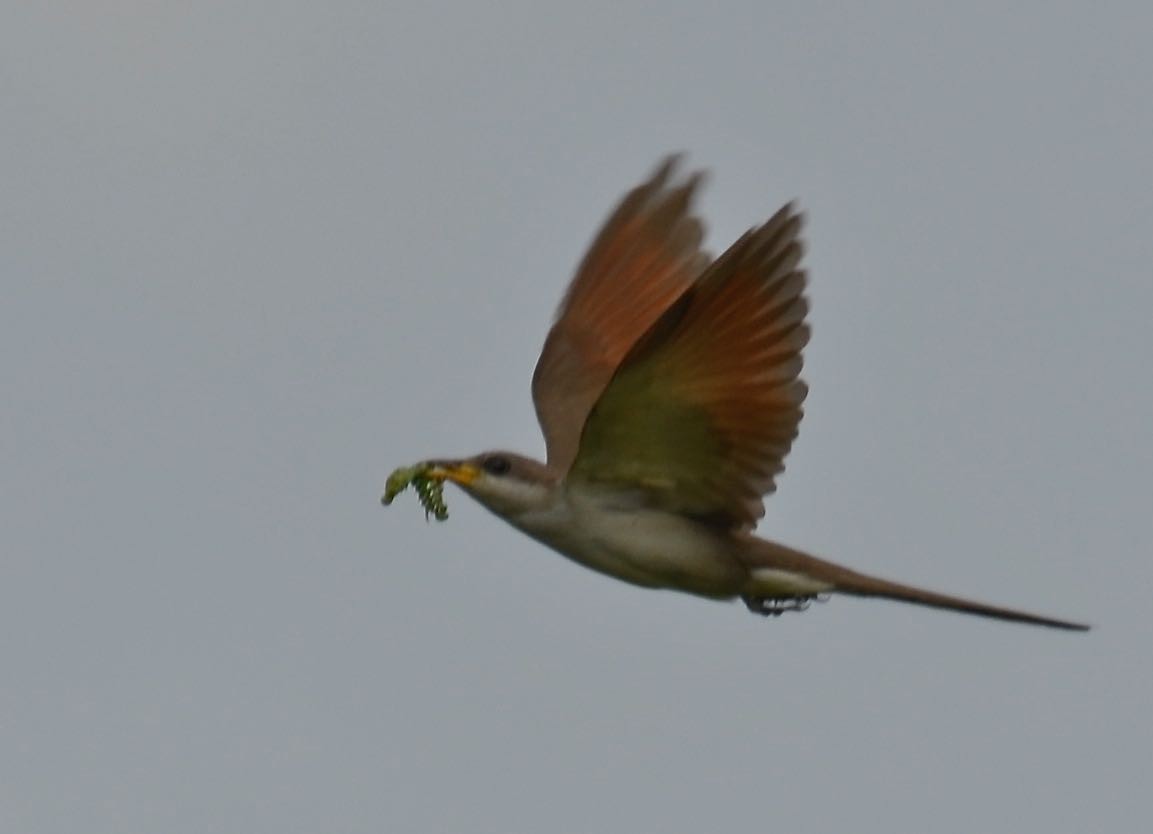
[458, 472]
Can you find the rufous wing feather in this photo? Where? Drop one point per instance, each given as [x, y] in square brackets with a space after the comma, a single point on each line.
[644, 258]
[704, 408]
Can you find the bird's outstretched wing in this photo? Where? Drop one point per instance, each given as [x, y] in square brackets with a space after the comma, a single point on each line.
[644, 258]
[704, 408]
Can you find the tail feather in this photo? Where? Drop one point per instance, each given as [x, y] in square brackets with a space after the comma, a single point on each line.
[759, 553]
[868, 586]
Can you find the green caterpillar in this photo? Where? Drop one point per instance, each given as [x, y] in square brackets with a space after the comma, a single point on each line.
[430, 491]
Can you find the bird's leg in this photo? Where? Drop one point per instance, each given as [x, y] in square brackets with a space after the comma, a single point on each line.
[776, 606]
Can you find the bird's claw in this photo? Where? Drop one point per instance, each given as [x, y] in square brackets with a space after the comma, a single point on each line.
[776, 606]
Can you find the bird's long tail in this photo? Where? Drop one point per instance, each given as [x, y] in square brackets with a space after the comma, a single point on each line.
[771, 557]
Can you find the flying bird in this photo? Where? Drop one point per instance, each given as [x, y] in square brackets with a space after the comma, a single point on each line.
[669, 394]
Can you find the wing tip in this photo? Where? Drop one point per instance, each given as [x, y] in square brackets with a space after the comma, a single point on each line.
[666, 182]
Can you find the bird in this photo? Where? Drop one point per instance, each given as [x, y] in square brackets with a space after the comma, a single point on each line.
[668, 391]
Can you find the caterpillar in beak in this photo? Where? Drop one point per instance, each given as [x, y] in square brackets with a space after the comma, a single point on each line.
[429, 490]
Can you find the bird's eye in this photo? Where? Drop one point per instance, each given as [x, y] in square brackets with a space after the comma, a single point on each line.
[496, 465]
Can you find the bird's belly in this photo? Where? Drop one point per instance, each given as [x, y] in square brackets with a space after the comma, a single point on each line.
[645, 547]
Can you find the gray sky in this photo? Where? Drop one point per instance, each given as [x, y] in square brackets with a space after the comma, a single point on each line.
[256, 255]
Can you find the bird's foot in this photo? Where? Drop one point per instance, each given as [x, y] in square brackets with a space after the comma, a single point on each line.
[776, 606]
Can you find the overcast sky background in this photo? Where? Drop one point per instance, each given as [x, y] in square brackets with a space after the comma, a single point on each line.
[255, 255]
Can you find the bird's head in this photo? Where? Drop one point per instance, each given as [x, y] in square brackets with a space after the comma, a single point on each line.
[505, 483]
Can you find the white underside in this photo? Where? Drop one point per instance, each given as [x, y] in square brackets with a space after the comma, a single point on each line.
[772, 582]
[654, 548]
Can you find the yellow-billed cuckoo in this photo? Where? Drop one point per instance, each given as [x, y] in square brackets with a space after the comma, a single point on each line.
[669, 394]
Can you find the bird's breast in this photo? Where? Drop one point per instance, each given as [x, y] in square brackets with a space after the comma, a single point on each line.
[640, 545]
